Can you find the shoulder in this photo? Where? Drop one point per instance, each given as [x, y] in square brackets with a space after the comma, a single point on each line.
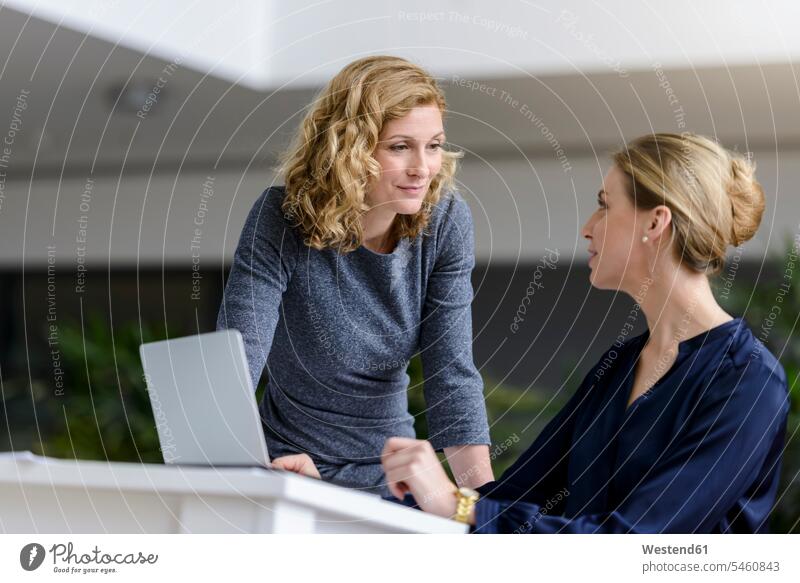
[451, 208]
[750, 372]
[270, 201]
[267, 212]
[451, 218]
[449, 234]
[748, 356]
[266, 222]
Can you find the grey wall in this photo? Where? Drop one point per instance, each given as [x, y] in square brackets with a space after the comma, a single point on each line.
[139, 234]
[521, 206]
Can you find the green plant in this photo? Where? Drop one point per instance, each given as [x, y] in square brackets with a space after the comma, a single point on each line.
[515, 415]
[105, 411]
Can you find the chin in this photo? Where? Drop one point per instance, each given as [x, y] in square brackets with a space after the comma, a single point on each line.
[599, 282]
[407, 207]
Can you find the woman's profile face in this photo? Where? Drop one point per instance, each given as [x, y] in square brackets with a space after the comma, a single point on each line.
[617, 256]
[409, 151]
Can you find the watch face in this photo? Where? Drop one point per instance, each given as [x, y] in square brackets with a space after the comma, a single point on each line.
[468, 492]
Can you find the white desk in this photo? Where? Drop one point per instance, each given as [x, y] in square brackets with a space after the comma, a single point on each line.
[46, 495]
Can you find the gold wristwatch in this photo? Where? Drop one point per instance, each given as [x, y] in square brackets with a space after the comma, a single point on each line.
[466, 499]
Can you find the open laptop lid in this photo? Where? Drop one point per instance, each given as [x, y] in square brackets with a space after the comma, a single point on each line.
[203, 401]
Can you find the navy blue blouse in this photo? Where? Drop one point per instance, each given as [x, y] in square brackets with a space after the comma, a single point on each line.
[699, 452]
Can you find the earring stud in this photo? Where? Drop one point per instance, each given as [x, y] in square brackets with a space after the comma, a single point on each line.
[644, 239]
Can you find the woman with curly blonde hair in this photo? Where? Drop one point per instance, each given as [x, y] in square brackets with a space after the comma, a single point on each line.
[360, 261]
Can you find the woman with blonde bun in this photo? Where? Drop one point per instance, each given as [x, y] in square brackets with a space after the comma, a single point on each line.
[680, 429]
[360, 261]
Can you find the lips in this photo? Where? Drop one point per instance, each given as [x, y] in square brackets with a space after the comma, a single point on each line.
[412, 188]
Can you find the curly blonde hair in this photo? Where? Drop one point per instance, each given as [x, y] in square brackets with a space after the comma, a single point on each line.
[329, 168]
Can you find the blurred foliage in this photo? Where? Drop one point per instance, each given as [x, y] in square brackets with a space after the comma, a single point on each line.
[516, 416]
[771, 307]
[104, 413]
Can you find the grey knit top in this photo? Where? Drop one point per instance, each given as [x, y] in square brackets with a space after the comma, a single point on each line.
[337, 330]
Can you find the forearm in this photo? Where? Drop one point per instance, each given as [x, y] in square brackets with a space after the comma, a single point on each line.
[470, 464]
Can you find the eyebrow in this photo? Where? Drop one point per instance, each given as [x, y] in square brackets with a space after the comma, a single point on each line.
[411, 137]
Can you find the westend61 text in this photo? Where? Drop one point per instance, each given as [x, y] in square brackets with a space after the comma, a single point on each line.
[675, 550]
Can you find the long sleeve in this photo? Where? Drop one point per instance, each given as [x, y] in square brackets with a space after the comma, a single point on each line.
[720, 456]
[261, 269]
[456, 411]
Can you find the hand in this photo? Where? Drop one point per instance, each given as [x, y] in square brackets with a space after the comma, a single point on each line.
[411, 465]
[299, 463]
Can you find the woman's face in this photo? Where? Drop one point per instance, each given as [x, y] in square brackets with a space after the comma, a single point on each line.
[617, 255]
[409, 151]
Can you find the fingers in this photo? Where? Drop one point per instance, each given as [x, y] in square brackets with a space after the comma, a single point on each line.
[402, 448]
[405, 461]
[300, 463]
[395, 479]
[309, 468]
[394, 444]
[397, 489]
[290, 463]
[400, 452]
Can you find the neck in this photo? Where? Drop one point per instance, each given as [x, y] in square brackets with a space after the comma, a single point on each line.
[679, 304]
[376, 225]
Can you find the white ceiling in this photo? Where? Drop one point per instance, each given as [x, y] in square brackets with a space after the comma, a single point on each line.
[72, 120]
[269, 44]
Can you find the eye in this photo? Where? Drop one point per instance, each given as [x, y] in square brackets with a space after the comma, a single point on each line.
[398, 147]
[435, 146]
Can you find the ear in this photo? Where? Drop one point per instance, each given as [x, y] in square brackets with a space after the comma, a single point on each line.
[658, 222]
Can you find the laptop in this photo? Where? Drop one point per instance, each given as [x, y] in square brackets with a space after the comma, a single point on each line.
[204, 402]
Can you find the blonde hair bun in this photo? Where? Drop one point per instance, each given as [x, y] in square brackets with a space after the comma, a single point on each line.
[711, 192]
[747, 200]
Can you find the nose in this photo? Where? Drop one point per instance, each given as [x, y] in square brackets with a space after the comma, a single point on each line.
[419, 165]
[586, 230]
